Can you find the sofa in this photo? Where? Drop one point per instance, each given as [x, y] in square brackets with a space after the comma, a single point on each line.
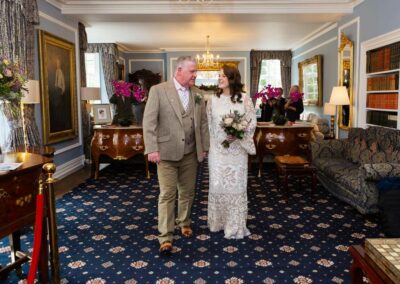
[350, 168]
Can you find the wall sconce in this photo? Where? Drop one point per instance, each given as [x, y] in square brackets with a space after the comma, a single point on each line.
[331, 111]
[31, 96]
[339, 97]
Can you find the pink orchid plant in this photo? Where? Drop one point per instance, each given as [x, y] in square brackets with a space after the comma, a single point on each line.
[122, 88]
[268, 93]
[296, 96]
[138, 94]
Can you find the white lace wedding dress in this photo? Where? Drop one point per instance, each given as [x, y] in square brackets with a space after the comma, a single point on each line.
[227, 197]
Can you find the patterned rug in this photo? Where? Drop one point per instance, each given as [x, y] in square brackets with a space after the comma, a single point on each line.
[107, 234]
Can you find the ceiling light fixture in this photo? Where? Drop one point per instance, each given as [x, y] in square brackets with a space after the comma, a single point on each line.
[200, 2]
[207, 61]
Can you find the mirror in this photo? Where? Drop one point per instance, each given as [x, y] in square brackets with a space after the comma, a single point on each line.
[310, 80]
[346, 79]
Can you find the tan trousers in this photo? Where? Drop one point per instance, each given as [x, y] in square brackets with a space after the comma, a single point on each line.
[175, 176]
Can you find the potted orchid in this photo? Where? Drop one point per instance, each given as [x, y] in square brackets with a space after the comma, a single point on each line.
[12, 81]
[270, 102]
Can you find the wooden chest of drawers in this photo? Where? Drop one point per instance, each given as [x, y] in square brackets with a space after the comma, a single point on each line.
[118, 143]
[282, 140]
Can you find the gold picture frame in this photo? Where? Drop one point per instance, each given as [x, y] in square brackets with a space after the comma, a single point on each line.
[346, 62]
[314, 62]
[58, 88]
[220, 64]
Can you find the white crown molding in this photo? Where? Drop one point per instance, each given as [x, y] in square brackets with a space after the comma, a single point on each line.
[314, 34]
[315, 47]
[217, 7]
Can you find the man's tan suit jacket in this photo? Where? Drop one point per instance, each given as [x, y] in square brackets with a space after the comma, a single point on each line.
[162, 123]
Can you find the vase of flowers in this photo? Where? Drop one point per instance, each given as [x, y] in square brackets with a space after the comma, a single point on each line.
[123, 100]
[12, 81]
[270, 102]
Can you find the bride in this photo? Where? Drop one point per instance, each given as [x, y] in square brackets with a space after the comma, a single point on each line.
[227, 199]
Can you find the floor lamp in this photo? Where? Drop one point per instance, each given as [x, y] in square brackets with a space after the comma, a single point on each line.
[31, 96]
[89, 94]
[339, 97]
[331, 111]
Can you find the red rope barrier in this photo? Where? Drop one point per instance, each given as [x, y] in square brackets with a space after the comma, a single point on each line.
[37, 238]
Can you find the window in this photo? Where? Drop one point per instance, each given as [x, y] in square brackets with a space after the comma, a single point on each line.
[93, 73]
[207, 78]
[4, 130]
[270, 74]
[310, 79]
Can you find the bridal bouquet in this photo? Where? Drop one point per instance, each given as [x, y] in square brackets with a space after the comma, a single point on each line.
[234, 124]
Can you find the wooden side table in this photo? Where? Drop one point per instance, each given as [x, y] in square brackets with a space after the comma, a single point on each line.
[18, 203]
[363, 265]
[294, 165]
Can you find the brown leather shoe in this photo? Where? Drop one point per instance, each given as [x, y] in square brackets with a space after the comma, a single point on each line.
[166, 247]
[186, 231]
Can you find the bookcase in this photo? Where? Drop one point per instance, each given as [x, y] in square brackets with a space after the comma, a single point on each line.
[379, 92]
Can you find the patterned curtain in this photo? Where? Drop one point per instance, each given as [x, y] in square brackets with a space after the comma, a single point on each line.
[257, 56]
[108, 55]
[86, 129]
[17, 36]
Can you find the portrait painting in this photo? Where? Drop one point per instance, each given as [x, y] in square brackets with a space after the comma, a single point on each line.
[102, 114]
[58, 88]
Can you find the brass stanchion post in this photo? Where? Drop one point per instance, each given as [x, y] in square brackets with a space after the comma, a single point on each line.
[49, 170]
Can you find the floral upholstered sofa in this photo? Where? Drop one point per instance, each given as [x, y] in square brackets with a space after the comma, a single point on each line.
[350, 168]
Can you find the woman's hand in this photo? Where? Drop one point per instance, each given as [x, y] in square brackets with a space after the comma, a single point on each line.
[230, 138]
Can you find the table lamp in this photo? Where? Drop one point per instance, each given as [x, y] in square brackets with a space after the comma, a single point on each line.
[339, 97]
[331, 111]
[90, 94]
[31, 94]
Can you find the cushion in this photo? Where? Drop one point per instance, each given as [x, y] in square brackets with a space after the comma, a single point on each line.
[378, 171]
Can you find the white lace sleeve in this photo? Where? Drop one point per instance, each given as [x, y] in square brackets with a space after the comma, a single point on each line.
[248, 142]
[209, 117]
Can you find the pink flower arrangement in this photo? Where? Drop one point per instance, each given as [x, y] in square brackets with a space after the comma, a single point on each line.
[12, 80]
[269, 92]
[138, 94]
[296, 96]
[122, 88]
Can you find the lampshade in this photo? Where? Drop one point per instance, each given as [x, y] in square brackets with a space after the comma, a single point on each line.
[90, 94]
[329, 109]
[339, 96]
[32, 94]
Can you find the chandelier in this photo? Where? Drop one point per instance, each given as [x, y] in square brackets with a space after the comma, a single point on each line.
[207, 61]
[201, 2]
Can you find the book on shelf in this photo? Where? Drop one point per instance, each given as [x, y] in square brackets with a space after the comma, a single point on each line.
[384, 58]
[387, 119]
[382, 100]
[383, 83]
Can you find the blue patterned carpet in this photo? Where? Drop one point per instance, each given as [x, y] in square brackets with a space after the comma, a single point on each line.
[107, 234]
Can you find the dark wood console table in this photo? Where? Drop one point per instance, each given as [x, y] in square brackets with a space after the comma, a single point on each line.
[18, 189]
[363, 265]
[282, 140]
[118, 143]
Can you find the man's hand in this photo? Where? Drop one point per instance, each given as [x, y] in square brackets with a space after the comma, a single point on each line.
[154, 157]
[205, 154]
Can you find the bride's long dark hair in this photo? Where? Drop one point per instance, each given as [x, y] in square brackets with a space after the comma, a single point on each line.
[235, 83]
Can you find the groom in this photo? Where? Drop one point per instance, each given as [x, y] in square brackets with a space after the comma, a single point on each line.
[176, 136]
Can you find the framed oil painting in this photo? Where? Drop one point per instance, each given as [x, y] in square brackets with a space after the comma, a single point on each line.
[58, 88]
[310, 80]
[102, 114]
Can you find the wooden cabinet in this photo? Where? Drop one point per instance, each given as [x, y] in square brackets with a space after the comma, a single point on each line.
[282, 140]
[379, 91]
[117, 143]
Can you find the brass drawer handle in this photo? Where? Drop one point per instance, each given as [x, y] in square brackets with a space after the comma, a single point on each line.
[270, 146]
[104, 136]
[302, 135]
[119, 157]
[137, 147]
[103, 148]
[303, 146]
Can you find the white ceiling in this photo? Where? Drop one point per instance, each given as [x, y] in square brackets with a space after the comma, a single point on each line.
[232, 25]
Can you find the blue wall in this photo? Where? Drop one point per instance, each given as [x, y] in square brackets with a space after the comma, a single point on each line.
[375, 17]
[53, 22]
